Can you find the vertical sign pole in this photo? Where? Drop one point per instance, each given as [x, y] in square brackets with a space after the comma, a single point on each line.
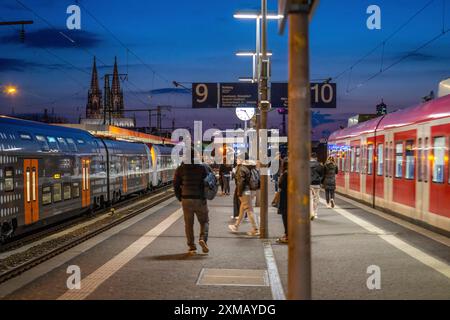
[264, 232]
[299, 145]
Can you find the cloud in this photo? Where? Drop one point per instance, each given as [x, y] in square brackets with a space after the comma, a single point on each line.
[9, 64]
[55, 38]
[170, 91]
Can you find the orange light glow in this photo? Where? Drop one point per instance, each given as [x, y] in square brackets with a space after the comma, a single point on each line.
[11, 90]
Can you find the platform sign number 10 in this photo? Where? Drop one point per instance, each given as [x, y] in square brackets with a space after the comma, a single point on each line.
[204, 95]
[323, 95]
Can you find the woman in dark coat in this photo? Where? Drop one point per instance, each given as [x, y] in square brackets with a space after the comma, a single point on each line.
[283, 206]
[329, 180]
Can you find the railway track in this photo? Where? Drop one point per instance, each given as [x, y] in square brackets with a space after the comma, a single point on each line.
[162, 195]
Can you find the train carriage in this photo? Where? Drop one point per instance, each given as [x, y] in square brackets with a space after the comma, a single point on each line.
[399, 162]
[49, 173]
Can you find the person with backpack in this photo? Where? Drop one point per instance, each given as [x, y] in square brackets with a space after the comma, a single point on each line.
[247, 182]
[189, 185]
[329, 180]
[316, 179]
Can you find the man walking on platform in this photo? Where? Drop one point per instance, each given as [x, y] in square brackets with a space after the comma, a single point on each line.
[245, 180]
[189, 185]
[316, 180]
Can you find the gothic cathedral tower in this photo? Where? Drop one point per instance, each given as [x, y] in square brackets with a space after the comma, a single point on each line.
[116, 94]
[94, 107]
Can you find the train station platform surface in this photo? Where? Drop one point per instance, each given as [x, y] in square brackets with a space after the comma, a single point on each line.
[146, 258]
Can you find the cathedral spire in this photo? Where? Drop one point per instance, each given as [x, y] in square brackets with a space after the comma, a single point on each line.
[94, 80]
[115, 81]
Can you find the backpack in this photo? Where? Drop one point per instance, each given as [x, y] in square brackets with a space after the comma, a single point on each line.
[210, 184]
[254, 182]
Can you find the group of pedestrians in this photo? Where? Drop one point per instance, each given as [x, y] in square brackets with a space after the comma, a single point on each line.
[189, 186]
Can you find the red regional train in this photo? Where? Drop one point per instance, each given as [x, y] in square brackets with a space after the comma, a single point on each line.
[399, 162]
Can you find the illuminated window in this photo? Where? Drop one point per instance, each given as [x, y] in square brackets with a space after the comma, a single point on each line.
[46, 195]
[426, 158]
[57, 192]
[370, 159]
[399, 160]
[438, 159]
[63, 144]
[75, 190]
[43, 143]
[410, 160]
[353, 158]
[25, 136]
[419, 161]
[357, 160]
[72, 145]
[52, 143]
[380, 160]
[67, 191]
[9, 179]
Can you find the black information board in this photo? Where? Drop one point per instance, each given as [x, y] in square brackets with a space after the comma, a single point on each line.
[323, 95]
[238, 95]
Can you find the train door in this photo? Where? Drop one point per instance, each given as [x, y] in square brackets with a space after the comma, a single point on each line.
[31, 190]
[422, 192]
[85, 183]
[389, 167]
[125, 175]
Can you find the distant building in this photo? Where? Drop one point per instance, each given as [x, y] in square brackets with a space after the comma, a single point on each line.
[107, 107]
[94, 107]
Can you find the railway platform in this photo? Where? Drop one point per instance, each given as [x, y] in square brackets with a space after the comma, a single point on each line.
[146, 258]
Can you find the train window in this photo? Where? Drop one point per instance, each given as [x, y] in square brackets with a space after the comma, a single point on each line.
[399, 160]
[370, 159]
[25, 136]
[426, 157]
[72, 145]
[80, 141]
[438, 159]
[57, 192]
[67, 190]
[380, 158]
[357, 160]
[46, 195]
[43, 143]
[419, 160]
[52, 143]
[391, 160]
[9, 179]
[76, 190]
[409, 172]
[352, 163]
[63, 144]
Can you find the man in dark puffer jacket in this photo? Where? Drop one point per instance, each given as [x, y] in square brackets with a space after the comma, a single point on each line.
[188, 183]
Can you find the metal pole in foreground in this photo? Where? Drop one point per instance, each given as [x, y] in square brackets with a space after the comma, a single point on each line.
[264, 106]
[299, 146]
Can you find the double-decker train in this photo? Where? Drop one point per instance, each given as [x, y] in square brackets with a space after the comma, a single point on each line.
[399, 162]
[48, 173]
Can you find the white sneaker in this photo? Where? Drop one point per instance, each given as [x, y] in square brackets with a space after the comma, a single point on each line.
[328, 205]
[233, 228]
[253, 233]
[332, 203]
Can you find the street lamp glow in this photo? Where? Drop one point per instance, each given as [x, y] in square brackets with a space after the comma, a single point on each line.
[10, 90]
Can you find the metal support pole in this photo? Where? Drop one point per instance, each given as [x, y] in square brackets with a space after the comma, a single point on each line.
[299, 140]
[264, 106]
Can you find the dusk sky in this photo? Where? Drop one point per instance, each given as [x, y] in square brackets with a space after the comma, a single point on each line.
[195, 41]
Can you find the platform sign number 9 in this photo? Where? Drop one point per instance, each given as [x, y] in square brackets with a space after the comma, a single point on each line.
[202, 92]
[204, 95]
[323, 95]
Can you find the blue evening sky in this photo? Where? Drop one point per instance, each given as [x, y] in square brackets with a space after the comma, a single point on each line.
[193, 41]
